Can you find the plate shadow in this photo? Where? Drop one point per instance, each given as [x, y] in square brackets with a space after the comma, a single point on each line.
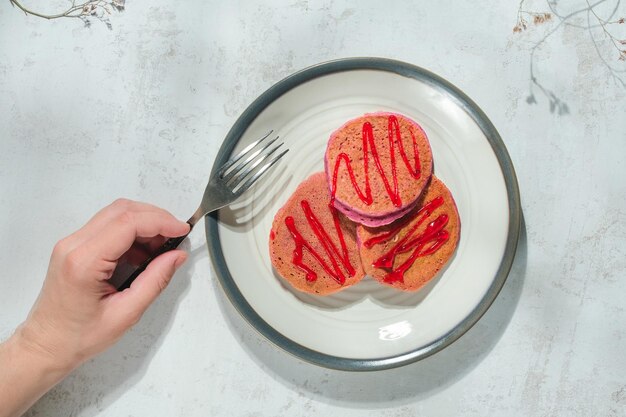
[398, 386]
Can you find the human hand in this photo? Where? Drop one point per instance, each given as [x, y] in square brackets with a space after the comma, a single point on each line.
[79, 313]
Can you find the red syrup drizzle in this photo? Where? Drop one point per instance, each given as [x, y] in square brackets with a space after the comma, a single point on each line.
[425, 244]
[334, 256]
[272, 234]
[394, 137]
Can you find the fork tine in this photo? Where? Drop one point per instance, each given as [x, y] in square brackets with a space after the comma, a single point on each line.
[237, 179]
[242, 188]
[241, 154]
[249, 159]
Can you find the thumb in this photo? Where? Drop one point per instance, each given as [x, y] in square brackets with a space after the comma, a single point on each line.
[151, 282]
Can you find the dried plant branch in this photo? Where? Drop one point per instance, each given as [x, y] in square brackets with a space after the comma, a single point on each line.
[616, 73]
[557, 105]
[91, 9]
[71, 12]
[617, 43]
[522, 23]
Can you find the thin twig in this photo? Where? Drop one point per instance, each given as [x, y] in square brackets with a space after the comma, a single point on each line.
[89, 9]
[613, 39]
[67, 13]
[613, 71]
[565, 20]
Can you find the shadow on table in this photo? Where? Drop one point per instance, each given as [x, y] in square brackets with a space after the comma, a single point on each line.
[101, 381]
[398, 386]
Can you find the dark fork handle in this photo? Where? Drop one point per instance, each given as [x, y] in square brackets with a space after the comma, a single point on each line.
[170, 244]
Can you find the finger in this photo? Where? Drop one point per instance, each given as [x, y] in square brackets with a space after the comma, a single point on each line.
[120, 233]
[106, 215]
[132, 302]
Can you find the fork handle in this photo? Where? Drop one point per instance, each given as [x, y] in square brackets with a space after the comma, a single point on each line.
[170, 244]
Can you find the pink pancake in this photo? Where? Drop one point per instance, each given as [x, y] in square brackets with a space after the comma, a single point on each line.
[377, 166]
[408, 253]
[312, 245]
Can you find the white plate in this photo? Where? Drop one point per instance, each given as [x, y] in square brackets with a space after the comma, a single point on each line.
[368, 326]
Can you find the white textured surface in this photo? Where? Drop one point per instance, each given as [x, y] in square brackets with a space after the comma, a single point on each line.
[88, 115]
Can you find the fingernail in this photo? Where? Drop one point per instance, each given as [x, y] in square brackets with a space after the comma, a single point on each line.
[181, 260]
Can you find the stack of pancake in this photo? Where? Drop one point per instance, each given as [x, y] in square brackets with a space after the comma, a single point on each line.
[377, 210]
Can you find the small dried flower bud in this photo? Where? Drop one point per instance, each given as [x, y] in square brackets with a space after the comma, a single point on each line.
[621, 20]
[539, 18]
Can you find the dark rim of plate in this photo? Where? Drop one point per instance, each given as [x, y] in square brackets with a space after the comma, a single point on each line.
[406, 70]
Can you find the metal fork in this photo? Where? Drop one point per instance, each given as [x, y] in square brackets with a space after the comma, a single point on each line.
[225, 186]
